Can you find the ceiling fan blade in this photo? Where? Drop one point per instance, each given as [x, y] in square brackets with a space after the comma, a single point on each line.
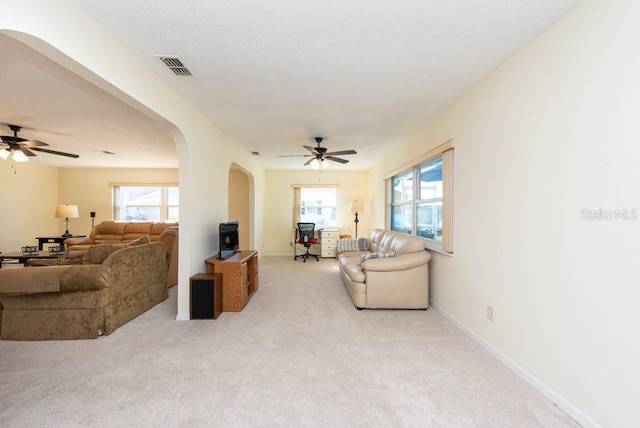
[312, 150]
[343, 152]
[26, 151]
[33, 143]
[54, 152]
[331, 158]
[8, 139]
[308, 162]
[293, 156]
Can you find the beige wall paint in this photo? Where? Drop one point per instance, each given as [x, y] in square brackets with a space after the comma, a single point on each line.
[90, 189]
[550, 133]
[32, 194]
[279, 209]
[28, 199]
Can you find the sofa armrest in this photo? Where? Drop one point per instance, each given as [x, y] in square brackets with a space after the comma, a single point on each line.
[52, 279]
[397, 263]
[134, 268]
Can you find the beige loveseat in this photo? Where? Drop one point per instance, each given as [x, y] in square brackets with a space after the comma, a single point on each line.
[117, 232]
[114, 284]
[390, 270]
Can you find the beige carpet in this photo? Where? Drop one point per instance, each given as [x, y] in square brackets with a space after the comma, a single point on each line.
[299, 354]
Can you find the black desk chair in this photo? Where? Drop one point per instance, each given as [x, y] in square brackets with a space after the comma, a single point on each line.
[306, 237]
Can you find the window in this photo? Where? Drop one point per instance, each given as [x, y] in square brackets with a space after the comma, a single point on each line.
[146, 203]
[317, 205]
[420, 198]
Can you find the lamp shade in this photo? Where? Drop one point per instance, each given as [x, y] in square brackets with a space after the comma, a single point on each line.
[356, 206]
[19, 156]
[67, 211]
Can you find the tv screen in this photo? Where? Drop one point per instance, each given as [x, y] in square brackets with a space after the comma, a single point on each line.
[229, 239]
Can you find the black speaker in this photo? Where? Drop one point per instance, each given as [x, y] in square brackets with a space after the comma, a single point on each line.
[206, 296]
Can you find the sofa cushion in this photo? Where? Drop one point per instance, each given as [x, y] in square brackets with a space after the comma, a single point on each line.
[364, 257]
[83, 278]
[97, 253]
[352, 244]
[109, 231]
[158, 228]
[135, 230]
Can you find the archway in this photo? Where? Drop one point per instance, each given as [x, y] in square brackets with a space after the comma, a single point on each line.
[240, 203]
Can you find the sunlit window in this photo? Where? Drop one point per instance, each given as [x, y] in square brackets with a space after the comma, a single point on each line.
[421, 199]
[146, 203]
[319, 205]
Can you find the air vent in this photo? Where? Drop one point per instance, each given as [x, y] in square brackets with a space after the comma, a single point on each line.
[175, 64]
[255, 153]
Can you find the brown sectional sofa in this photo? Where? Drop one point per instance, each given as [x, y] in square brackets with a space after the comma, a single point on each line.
[117, 232]
[390, 270]
[114, 284]
[109, 232]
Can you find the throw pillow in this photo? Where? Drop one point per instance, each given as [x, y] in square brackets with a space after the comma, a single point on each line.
[352, 244]
[377, 256]
[140, 241]
[96, 254]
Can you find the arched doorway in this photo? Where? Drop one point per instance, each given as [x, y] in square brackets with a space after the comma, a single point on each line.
[240, 204]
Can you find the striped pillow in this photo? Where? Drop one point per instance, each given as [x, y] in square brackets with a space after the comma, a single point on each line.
[377, 256]
[352, 244]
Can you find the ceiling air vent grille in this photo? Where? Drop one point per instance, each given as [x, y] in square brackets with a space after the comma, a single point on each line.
[175, 65]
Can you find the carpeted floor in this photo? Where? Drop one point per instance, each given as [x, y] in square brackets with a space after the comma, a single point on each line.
[298, 355]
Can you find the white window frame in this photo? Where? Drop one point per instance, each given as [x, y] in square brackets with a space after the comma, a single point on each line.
[163, 207]
[444, 151]
[298, 206]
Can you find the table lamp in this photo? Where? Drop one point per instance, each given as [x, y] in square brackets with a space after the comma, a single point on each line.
[67, 211]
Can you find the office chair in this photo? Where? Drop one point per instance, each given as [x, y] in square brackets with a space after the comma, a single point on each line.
[306, 232]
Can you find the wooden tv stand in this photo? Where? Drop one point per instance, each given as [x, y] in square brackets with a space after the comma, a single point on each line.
[239, 278]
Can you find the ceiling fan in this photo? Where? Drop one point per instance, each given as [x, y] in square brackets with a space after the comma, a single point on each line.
[320, 154]
[20, 148]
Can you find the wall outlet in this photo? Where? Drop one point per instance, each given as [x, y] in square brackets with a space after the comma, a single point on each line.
[490, 313]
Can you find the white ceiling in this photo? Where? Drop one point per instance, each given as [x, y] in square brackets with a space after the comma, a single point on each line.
[273, 74]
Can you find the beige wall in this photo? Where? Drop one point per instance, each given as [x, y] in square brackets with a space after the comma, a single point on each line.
[28, 199]
[550, 133]
[35, 190]
[279, 209]
[90, 190]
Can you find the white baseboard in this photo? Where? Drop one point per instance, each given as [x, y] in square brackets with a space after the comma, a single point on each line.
[183, 317]
[568, 408]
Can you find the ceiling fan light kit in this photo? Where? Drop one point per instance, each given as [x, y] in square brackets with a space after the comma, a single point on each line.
[319, 164]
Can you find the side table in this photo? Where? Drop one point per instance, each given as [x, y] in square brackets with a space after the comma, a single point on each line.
[54, 240]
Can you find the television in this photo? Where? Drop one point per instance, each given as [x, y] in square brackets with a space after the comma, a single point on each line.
[229, 239]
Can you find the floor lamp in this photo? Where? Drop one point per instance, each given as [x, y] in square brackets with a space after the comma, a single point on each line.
[66, 212]
[356, 207]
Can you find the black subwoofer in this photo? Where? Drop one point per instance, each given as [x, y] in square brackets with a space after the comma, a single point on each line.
[206, 296]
